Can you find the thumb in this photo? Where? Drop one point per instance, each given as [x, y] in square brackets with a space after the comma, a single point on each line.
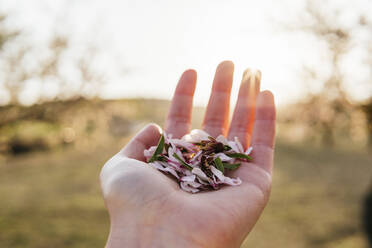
[147, 137]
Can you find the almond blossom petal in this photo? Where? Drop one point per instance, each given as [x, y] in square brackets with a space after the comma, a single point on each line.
[187, 172]
[196, 157]
[195, 136]
[187, 188]
[193, 184]
[188, 178]
[223, 157]
[234, 146]
[182, 143]
[225, 179]
[232, 181]
[167, 137]
[222, 139]
[239, 145]
[217, 173]
[200, 173]
[202, 181]
[149, 152]
[172, 171]
[249, 150]
[159, 166]
[176, 165]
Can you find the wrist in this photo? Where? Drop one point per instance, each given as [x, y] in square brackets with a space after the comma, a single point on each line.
[133, 235]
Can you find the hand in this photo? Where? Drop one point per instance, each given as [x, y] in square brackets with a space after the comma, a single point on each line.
[148, 208]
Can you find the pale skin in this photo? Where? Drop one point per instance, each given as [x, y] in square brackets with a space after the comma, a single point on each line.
[148, 208]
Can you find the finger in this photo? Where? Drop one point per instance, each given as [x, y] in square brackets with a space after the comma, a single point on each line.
[258, 172]
[243, 117]
[217, 114]
[147, 137]
[178, 122]
[263, 137]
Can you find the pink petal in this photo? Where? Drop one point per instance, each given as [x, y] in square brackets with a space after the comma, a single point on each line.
[175, 165]
[187, 188]
[149, 152]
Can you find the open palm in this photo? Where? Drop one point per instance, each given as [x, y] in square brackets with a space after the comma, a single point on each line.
[148, 208]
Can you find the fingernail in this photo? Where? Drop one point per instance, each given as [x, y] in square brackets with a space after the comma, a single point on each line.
[251, 75]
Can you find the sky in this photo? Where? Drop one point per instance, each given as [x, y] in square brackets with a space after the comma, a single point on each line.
[153, 42]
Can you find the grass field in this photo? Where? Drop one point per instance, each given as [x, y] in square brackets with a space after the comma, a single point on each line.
[52, 199]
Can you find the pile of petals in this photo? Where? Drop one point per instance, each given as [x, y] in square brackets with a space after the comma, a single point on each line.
[197, 160]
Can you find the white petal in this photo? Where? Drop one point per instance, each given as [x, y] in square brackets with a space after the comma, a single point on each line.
[217, 173]
[171, 151]
[156, 165]
[200, 173]
[196, 157]
[193, 184]
[202, 181]
[172, 171]
[249, 150]
[186, 172]
[234, 146]
[160, 166]
[240, 147]
[223, 157]
[222, 139]
[167, 136]
[187, 188]
[215, 180]
[232, 181]
[174, 165]
[179, 153]
[188, 178]
[225, 179]
[181, 143]
[196, 135]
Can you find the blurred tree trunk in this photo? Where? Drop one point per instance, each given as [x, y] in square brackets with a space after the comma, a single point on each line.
[367, 109]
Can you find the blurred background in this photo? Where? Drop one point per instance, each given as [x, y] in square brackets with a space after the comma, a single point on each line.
[79, 78]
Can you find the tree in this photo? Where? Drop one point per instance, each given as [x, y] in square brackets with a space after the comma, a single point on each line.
[327, 113]
[16, 71]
